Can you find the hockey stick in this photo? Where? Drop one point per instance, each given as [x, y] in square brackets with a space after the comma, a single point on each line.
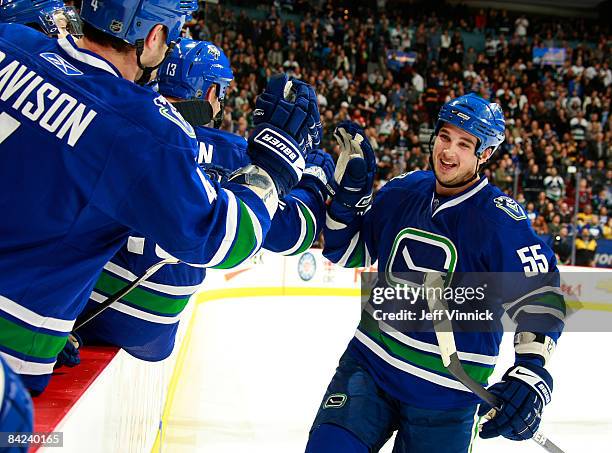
[450, 358]
[122, 292]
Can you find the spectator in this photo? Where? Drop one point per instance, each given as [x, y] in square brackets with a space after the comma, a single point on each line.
[562, 246]
[554, 185]
[586, 247]
[554, 227]
[533, 183]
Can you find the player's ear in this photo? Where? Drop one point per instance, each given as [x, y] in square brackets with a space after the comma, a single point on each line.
[211, 93]
[486, 155]
[156, 37]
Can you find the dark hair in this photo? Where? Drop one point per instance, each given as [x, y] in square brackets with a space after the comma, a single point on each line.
[106, 40]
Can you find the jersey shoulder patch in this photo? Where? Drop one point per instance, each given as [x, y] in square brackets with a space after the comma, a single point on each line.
[510, 207]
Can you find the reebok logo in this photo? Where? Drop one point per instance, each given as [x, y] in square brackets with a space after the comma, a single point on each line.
[61, 64]
[277, 143]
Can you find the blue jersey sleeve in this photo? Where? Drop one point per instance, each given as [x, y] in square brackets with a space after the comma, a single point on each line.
[174, 204]
[297, 222]
[526, 268]
[356, 243]
[299, 218]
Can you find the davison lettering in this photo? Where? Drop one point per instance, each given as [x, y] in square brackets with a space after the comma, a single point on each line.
[42, 103]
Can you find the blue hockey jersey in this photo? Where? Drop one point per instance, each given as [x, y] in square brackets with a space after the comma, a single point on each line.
[86, 157]
[145, 321]
[409, 228]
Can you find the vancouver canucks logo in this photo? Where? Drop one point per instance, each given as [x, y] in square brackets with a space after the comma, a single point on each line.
[167, 110]
[510, 207]
[61, 64]
[214, 52]
[417, 251]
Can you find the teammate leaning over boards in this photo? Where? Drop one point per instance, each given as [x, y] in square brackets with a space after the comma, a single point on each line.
[450, 220]
[51, 17]
[88, 156]
[144, 322]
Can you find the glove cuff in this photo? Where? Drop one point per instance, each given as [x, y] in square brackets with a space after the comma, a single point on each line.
[535, 377]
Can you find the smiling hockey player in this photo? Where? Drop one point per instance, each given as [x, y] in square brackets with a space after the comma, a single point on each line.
[145, 321]
[447, 220]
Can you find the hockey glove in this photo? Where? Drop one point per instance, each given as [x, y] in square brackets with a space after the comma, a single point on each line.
[216, 172]
[70, 355]
[525, 389]
[283, 117]
[319, 172]
[351, 188]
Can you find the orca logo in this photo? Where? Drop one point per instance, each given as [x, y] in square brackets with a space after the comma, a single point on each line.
[510, 207]
[61, 64]
[167, 110]
[213, 51]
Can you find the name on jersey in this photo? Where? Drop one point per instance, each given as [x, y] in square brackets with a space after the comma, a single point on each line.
[42, 102]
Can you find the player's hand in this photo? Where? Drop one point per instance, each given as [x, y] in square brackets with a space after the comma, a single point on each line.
[287, 124]
[216, 172]
[319, 172]
[525, 389]
[70, 355]
[351, 188]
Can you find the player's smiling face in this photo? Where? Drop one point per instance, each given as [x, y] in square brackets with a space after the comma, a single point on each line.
[454, 158]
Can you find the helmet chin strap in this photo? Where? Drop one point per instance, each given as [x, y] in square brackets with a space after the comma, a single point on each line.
[148, 70]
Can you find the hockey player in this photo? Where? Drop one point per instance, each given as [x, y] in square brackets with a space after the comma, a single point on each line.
[87, 156]
[15, 411]
[448, 220]
[51, 17]
[144, 322]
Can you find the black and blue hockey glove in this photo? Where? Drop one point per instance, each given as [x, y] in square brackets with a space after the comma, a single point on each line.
[70, 355]
[524, 390]
[216, 172]
[285, 118]
[351, 188]
[319, 172]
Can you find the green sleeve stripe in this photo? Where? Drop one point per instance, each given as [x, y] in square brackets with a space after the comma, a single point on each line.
[310, 229]
[244, 242]
[369, 325]
[357, 259]
[141, 297]
[35, 344]
[552, 300]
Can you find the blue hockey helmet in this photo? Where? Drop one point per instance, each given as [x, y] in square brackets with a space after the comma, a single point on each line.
[483, 119]
[192, 68]
[132, 20]
[52, 16]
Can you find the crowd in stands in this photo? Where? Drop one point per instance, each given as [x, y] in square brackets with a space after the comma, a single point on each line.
[557, 116]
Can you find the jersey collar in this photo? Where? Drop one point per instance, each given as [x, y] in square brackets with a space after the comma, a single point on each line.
[459, 198]
[86, 56]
